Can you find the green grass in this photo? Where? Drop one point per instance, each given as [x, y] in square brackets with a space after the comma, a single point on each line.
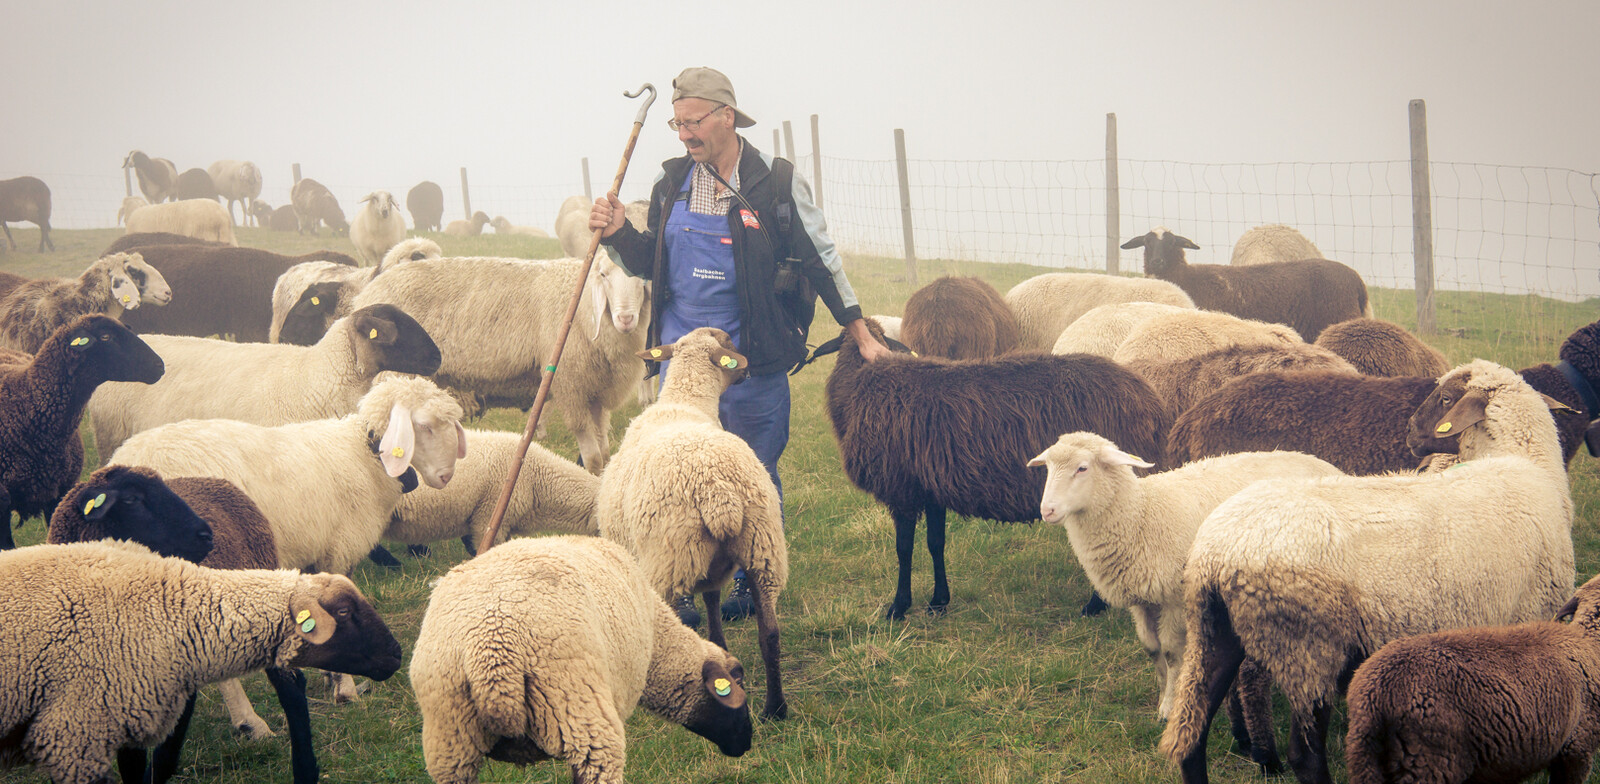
[1010, 686]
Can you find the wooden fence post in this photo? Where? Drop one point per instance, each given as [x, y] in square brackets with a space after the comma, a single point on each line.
[816, 164]
[905, 203]
[295, 168]
[777, 144]
[788, 141]
[1113, 200]
[1422, 217]
[466, 200]
[588, 190]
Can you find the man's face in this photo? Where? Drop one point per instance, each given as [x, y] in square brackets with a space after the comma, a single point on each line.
[714, 133]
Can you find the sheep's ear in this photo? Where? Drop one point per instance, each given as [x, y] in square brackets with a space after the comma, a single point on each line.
[96, 502]
[1114, 456]
[312, 623]
[1567, 610]
[1185, 242]
[1591, 439]
[730, 360]
[1467, 411]
[1039, 461]
[1136, 242]
[657, 354]
[380, 331]
[721, 685]
[81, 340]
[398, 442]
[461, 441]
[1556, 405]
[597, 296]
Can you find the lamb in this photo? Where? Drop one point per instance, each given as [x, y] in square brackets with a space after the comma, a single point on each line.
[129, 204]
[1273, 243]
[924, 435]
[1102, 329]
[26, 199]
[1308, 577]
[1182, 382]
[959, 318]
[196, 184]
[302, 310]
[1383, 348]
[314, 205]
[263, 383]
[37, 308]
[496, 320]
[692, 501]
[199, 218]
[503, 225]
[1046, 304]
[467, 228]
[91, 692]
[425, 202]
[1132, 535]
[378, 227]
[525, 675]
[1306, 295]
[1495, 704]
[552, 494]
[1191, 333]
[238, 181]
[157, 176]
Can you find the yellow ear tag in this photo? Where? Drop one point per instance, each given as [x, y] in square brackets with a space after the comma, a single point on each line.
[398, 451]
[655, 352]
[80, 341]
[125, 299]
[316, 301]
[89, 507]
[302, 616]
[373, 335]
[723, 687]
[308, 624]
[728, 362]
[1444, 427]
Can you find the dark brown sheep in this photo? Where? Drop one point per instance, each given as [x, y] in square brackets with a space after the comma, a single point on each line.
[314, 204]
[924, 434]
[284, 219]
[157, 176]
[1182, 382]
[1489, 704]
[1383, 348]
[1306, 295]
[223, 290]
[959, 318]
[196, 184]
[26, 199]
[425, 202]
[142, 239]
[9, 282]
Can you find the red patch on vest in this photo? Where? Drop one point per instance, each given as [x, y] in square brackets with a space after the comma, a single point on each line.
[749, 219]
[727, 240]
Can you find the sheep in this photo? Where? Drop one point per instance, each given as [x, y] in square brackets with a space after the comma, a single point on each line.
[129, 204]
[1273, 243]
[503, 225]
[78, 691]
[573, 230]
[262, 213]
[284, 219]
[1383, 348]
[1103, 328]
[238, 181]
[264, 383]
[890, 325]
[1308, 577]
[1496, 704]
[302, 310]
[524, 675]
[223, 290]
[425, 202]
[196, 184]
[156, 176]
[313, 205]
[468, 228]
[1190, 333]
[552, 494]
[1307, 295]
[199, 218]
[692, 501]
[37, 308]
[26, 199]
[1046, 304]
[926, 435]
[1182, 382]
[378, 227]
[9, 282]
[143, 239]
[496, 321]
[959, 318]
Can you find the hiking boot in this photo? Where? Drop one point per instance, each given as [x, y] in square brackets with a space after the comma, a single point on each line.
[687, 612]
[739, 604]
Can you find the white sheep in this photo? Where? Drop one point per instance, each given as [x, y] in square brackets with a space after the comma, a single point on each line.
[289, 293]
[1273, 243]
[36, 308]
[377, 227]
[1132, 534]
[572, 228]
[692, 501]
[129, 204]
[1103, 328]
[1046, 304]
[1190, 333]
[199, 218]
[1307, 577]
[237, 181]
[467, 228]
[890, 324]
[76, 686]
[503, 225]
[542, 648]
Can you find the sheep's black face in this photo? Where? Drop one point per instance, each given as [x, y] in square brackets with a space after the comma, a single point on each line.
[1422, 433]
[722, 714]
[113, 352]
[144, 510]
[361, 643]
[397, 341]
[307, 321]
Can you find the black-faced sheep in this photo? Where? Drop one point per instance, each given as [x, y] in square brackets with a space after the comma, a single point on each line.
[156, 175]
[1307, 295]
[314, 204]
[959, 318]
[1383, 348]
[237, 181]
[196, 184]
[26, 199]
[425, 202]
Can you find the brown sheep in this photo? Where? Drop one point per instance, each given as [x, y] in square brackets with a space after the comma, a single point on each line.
[157, 176]
[314, 204]
[1181, 382]
[141, 239]
[26, 199]
[284, 219]
[1383, 348]
[425, 202]
[959, 318]
[196, 184]
[1308, 295]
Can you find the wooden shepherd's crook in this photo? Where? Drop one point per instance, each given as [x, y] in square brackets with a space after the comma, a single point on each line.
[566, 326]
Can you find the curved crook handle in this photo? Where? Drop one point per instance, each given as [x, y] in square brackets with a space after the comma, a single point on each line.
[639, 118]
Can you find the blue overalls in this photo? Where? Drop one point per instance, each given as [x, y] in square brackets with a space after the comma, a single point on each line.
[703, 291]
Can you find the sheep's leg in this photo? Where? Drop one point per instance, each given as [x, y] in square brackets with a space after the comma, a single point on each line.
[290, 686]
[44, 237]
[6, 542]
[1094, 606]
[1253, 691]
[1145, 623]
[713, 600]
[12, 242]
[587, 428]
[1570, 768]
[1210, 663]
[905, 538]
[381, 556]
[133, 765]
[165, 762]
[241, 713]
[766, 599]
[1308, 744]
[934, 514]
[344, 688]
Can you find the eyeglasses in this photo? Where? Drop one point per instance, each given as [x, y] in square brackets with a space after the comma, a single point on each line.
[693, 125]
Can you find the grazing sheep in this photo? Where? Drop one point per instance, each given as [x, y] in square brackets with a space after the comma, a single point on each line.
[78, 690]
[26, 199]
[1046, 304]
[959, 318]
[142, 239]
[524, 675]
[1101, 330]
[1273, 243]
[264, 383]
[1190, 333]
[1306, 295]
[238, 181]
[425, 202]
[692, 501]
[308, 297]
[502, 225]
[129, 204]
[196, 184]
[468, 228]
[1182, 382]
[1497, 704]
[314, 205]
[378, 227]
[926, 435]
[1308, 577]
[157, 176]
[199, 218]
[1383, 348]
[262, 213]
[37, 308]
[284, 219]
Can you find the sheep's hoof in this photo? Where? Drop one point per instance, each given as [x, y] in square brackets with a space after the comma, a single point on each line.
[252, 730]
[1095, 606]
[381, 556]
[937, 609]
[896, 611]
[418, 550]
[1269, 767]
[778, 713]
